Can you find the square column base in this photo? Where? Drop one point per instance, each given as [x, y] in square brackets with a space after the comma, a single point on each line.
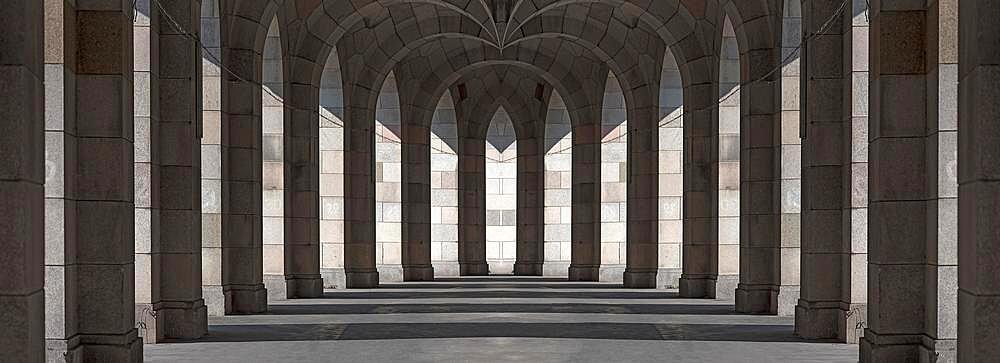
[361, 280]
[474, 269]
[756, 299]
[125, 347]
[303, 286]
[245, 299]
[69, 349]
[907, 348]
[584, 273]
[418, 273]
[527, 269]
[697, 287]
[172, 320]
[817, 320]
[23, 336]
[639, 279]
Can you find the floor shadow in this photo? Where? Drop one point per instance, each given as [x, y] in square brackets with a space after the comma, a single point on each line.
[607, 331]
[499, 294]
[566, 308]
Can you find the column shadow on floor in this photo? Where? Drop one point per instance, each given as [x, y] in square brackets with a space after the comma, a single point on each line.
[500, 308]
[392, 331]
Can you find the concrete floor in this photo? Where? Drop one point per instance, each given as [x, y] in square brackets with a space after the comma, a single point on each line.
[501, 319]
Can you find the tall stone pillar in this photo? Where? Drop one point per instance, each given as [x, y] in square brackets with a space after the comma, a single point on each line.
[22, 174]
[530, 206]
[416, 194]
[242, 244]
[586, 195]
[913, 247]
[823, 169]
[301, 181]
[102, 182]
[834, 176]
[472, 204]
[979, 178]
[61, 322]
[642, 245]
[700, 257]
[167, 174]
[359, 190]
[212, 131]
[768, 260]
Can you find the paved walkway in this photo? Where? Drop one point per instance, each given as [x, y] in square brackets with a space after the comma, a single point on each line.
[501, 319]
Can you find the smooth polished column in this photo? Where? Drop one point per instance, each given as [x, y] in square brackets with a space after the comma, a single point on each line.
[530, 215]
[979, 178]
[22, 173]
[472, 205]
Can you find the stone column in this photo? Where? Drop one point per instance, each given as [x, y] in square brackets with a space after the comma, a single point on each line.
[301, 180]
[61, 322]
[359, 190]
[103, 184]
[643, 185]
[979, 178]
[242, 246]
[854, 251]
[331, 177]
[416, 194]
[729, 163]
[766, 276]
[168, 161]
[272, 154]
[22, 174]
[834, 231]
[472, 205]
[530, 216]
[671, 169]
[700, 256]
[912, 273]
[586, 195]
[558, 193]
[826, 93]
[212, 131]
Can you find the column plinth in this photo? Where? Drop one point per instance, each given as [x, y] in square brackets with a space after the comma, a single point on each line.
[418, 273]
[584, 273]
[361, 279]
[756, 299]
[816, 320]
[245, 299]
[474, 269]
[697, 286]
[303, 286]
[639, 279]
[527, 269]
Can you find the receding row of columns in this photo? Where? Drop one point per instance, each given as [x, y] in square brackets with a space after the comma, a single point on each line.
[101, 184]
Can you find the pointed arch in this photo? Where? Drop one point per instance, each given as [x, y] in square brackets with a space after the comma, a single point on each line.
[501, 193]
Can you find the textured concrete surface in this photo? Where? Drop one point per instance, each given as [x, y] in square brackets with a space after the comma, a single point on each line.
[501, 319]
